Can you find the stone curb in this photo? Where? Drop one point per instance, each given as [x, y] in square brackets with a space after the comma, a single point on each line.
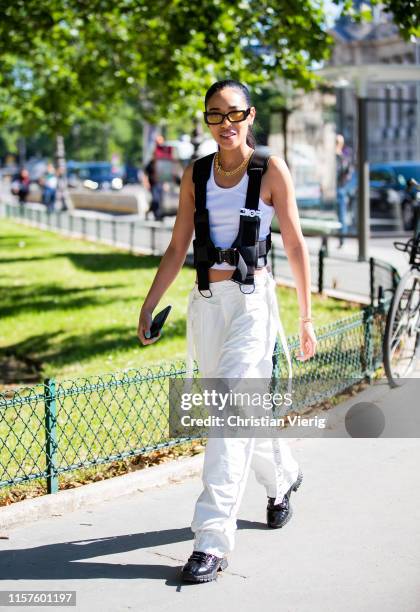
[68, 500]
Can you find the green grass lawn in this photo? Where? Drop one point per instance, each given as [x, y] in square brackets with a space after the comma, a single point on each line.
[73, 306]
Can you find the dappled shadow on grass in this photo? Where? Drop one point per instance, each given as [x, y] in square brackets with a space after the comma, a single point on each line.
[16, 300]
[58, 349]
[13, 239]
[111, 262]
[23, 370]
[95, 262]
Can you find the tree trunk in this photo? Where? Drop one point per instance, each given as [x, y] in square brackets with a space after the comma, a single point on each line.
[150, 132]
[62, 189]
[196, 137]
[22, 151]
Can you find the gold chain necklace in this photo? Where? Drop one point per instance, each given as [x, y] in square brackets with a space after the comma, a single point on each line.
[229, 172]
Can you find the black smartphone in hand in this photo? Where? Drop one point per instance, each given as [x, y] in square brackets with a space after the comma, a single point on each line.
[158, 321]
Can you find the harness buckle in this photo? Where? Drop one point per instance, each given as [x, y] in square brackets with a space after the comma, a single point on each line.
[227, 255]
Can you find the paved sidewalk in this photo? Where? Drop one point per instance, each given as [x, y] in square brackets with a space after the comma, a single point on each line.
[352, 545]
[378, 411]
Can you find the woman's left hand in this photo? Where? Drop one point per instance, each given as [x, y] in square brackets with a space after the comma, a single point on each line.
[307, 341]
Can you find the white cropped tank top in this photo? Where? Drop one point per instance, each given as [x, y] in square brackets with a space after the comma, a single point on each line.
[223, 204]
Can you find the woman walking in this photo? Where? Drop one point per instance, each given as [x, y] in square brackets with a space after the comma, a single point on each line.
[229, 199]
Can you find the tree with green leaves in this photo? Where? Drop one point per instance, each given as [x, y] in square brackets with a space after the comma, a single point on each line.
[65, 60]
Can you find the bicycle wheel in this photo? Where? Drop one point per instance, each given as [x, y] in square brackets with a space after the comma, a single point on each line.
[401, 346]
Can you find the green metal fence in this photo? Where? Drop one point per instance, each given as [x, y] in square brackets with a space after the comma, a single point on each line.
[60, 426]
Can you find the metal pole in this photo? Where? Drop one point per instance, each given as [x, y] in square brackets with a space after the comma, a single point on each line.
[321, 257]
[132, 236]
[114, 231]
[372, 280]
[368, 342]
[51, 455]
[197, 136]
[363, 173]
[63, 195]
[153, 240]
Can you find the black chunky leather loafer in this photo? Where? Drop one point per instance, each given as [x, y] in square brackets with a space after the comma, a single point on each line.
[279, 514]
[203, 567]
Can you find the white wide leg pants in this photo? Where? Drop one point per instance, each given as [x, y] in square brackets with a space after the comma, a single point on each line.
[232, 335]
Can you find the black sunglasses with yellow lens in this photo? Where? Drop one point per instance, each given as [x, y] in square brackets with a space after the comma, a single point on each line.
[234, 116]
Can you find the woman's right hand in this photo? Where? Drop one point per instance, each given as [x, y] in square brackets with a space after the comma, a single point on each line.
[145, 321]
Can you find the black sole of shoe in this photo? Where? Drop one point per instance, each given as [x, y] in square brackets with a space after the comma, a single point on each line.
[213, 576]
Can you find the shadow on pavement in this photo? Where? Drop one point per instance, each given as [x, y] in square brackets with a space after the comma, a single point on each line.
[69, 560]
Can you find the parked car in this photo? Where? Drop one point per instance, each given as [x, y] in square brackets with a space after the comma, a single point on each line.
[391, 195]
[94, 175]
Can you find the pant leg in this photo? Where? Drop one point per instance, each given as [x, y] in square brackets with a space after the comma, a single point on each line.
[49, 197]
[272, 462]
[342, 209]
[226, 460]
[225, 474]
[156, 204]
[274, 466]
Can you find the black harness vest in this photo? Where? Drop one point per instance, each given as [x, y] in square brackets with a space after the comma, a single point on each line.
[246, 253]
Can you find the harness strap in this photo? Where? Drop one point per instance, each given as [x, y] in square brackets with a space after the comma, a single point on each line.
[202, 244]
[249, 223]
[255, 170]
[201, 174]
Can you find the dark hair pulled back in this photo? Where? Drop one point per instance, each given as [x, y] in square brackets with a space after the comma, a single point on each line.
[218, 86]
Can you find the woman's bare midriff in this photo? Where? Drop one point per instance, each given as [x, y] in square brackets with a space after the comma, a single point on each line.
[220, 275]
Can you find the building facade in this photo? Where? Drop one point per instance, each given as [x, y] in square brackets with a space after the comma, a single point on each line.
[317, 117]
[392, 113]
